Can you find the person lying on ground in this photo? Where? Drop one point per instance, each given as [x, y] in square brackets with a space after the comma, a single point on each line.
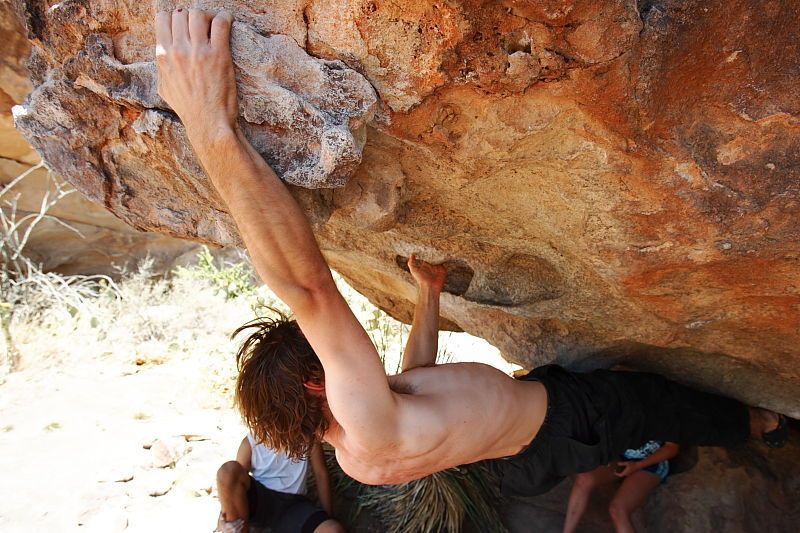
[641, 470]
[266, 489]
[321, 377]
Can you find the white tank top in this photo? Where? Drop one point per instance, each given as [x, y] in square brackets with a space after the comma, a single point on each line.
[276, 471]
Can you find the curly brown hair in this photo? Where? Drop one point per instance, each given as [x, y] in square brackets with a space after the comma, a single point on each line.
[274, 362]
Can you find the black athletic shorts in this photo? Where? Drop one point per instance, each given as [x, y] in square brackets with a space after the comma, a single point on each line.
[593, 418]
[282, 512]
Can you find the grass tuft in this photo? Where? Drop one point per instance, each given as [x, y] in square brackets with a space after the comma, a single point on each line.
[439, 503]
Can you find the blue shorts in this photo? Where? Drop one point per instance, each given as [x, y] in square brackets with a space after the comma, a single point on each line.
[659, 469]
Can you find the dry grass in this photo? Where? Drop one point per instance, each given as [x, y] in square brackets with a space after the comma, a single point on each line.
[26, 291]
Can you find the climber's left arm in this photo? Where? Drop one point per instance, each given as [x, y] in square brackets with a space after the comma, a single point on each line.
[423, 340]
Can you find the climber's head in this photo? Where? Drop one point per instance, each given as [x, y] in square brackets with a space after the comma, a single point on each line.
[280, 388]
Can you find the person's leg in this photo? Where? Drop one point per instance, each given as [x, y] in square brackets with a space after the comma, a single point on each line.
[581, 490]
[330, 526]
[232, 485]
[631, 495]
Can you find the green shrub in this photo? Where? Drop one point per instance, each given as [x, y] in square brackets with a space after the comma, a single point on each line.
[231, 279]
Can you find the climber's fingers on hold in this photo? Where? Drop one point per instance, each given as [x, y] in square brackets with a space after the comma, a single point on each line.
[180, 28]
[199, 26]
[163, 33]
[221, 30]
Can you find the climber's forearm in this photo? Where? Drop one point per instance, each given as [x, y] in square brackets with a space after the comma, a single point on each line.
[196, 78]
[274, 228]
[423, 340]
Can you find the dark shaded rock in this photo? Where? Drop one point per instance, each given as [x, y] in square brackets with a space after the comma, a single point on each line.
[752, 489]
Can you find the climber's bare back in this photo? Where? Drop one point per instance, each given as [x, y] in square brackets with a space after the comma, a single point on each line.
[450, 415]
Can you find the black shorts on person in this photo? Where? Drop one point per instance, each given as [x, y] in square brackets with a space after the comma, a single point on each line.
[593, 417]
[282, 512]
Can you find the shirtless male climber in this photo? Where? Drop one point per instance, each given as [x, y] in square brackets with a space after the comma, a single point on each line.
[321, 378]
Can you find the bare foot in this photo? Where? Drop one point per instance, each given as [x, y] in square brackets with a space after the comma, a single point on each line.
[769, 427]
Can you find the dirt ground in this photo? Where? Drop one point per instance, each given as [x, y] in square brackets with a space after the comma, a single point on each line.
[73, 438]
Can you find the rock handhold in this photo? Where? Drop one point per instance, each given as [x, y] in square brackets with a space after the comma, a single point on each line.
[305, 115]
[533, 280]
[101, 123]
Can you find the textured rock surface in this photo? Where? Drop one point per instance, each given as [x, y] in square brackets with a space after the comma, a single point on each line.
[82, 237]
[97, 119]
[608, 176]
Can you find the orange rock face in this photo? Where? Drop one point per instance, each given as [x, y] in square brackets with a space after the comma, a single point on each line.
[609, 179]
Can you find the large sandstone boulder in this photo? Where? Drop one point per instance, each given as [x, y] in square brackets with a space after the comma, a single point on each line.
[608, 179]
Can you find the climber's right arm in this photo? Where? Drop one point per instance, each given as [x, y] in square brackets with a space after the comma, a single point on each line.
[196, 78]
